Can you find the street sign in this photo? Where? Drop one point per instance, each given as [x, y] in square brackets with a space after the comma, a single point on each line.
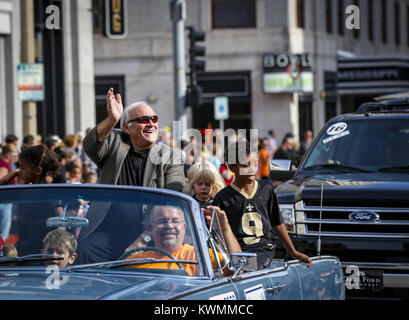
[221, 108]
[30, 81]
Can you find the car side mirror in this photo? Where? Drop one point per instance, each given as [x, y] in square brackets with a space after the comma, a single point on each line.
[280, 170]
[280, 165]
[243, 261]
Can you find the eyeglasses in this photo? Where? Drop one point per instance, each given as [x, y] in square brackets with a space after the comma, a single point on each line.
[145, 119]
[174, 222]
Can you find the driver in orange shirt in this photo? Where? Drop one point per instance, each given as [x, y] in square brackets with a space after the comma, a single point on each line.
[168, 228]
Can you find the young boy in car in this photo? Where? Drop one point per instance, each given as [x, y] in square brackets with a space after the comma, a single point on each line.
[62, 243]
[252, 208]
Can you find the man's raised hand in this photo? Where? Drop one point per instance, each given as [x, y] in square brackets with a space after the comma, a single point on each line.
[115, 110]
[114, 106]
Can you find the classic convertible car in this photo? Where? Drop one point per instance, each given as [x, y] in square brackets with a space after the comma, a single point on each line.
[105, 220]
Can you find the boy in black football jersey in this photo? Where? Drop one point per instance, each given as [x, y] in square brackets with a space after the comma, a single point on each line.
[252, 209]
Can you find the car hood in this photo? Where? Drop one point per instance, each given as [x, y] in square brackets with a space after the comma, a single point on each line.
[356, 186]
[36, 285]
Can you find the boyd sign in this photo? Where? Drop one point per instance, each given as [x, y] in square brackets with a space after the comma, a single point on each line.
[283, 60]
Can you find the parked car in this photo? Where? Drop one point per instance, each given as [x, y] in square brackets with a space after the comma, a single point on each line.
[358, 166]
[105, 220]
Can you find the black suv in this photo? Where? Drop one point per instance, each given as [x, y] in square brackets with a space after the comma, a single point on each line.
[352, 189]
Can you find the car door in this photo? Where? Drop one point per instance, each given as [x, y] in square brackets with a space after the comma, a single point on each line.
[285, 283]
[279, 282]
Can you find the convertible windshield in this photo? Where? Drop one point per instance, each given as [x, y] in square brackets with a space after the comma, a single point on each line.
[98, 227]
[12, 260]
[380, 145]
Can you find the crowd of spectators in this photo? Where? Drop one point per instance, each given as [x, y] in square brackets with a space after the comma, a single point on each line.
[77, 167]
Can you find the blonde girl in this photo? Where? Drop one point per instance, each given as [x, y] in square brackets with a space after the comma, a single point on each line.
[204, 182]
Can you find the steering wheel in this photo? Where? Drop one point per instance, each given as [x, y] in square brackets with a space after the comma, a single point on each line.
[129, 252]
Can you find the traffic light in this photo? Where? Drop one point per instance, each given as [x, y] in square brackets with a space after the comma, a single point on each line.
[196, 50]
[194, 92]
[194, 96]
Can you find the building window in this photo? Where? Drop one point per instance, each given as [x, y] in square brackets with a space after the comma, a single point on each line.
[397, 24]
[233, 13]
[328, 14]
[370, 20]
[384, 14]
[340, 14]
[300, 14]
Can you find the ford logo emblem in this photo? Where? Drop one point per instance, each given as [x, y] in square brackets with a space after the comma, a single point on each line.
[364, 216]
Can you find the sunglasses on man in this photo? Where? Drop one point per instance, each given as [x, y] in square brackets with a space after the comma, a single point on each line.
[145, 119]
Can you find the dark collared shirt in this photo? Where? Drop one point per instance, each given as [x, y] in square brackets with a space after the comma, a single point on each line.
[133, 168]
[203, 204]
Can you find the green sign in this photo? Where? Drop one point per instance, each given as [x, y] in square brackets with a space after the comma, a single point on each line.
[287, 72]
[282, 82]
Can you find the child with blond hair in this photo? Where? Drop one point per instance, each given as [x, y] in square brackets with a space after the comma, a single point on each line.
[204, 182]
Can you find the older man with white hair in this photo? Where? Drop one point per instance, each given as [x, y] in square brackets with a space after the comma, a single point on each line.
[131, 155]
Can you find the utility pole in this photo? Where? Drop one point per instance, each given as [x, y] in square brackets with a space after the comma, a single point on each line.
[317, 123]
[178, 16]
[28, 56]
